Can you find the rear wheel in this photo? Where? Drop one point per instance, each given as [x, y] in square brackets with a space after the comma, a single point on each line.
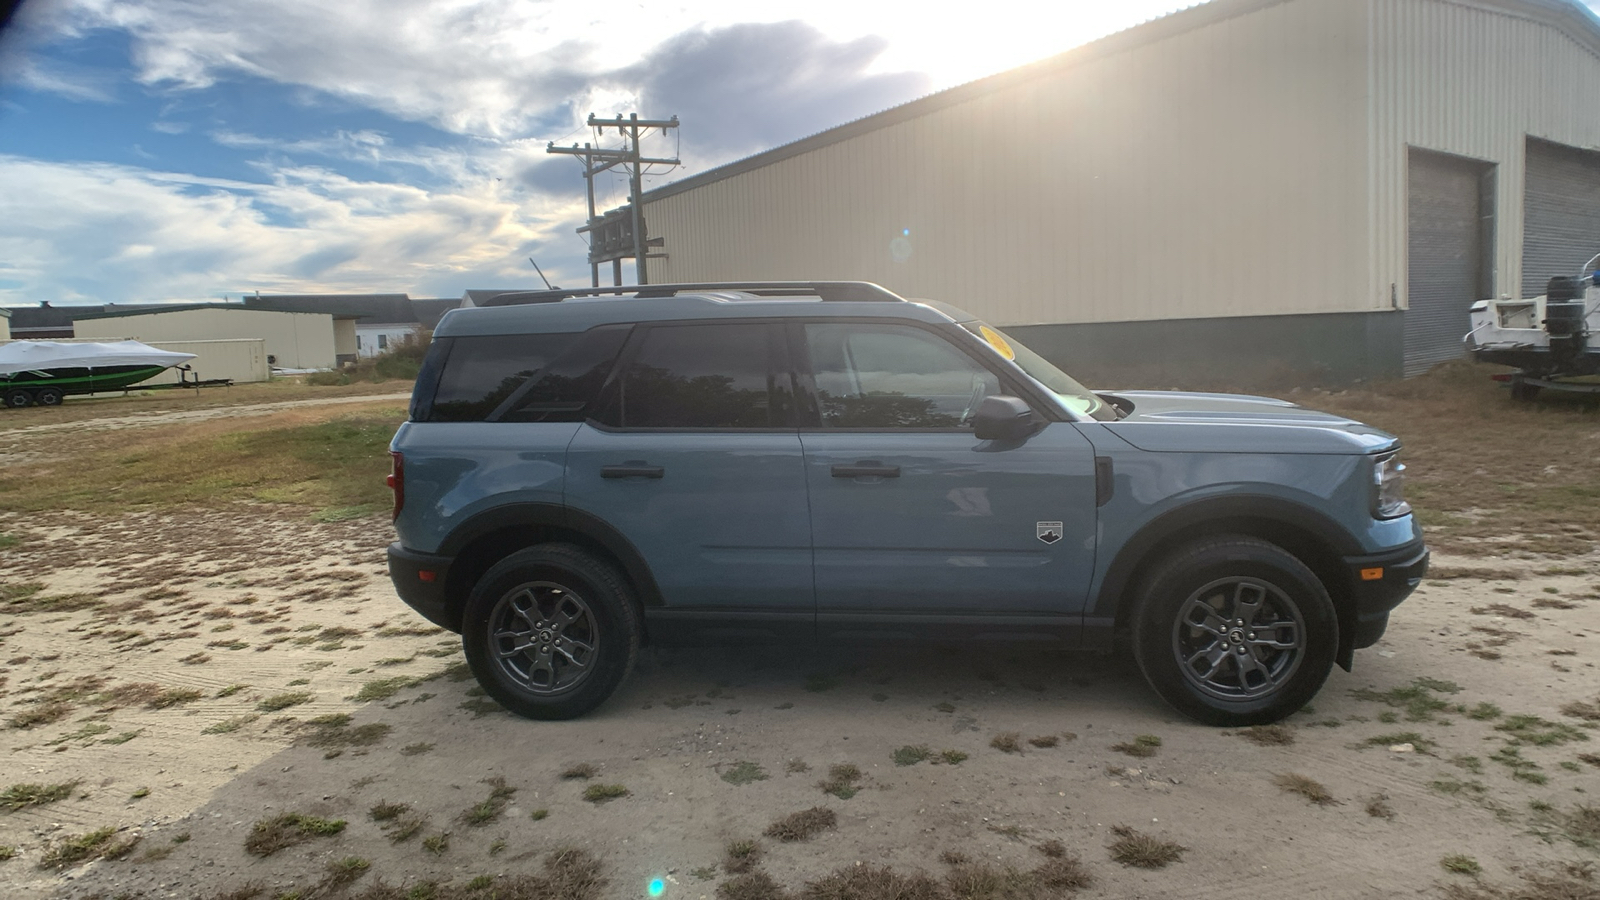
[1235, 631]
[551, 631]
[48, 397]
[16, 398]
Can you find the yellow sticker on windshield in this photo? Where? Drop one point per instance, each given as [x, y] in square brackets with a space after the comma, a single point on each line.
[997, 342]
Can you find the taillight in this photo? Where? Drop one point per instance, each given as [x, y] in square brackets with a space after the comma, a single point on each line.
[397, 481]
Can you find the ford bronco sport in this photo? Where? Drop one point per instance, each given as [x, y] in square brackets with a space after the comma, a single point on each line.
[586, 471]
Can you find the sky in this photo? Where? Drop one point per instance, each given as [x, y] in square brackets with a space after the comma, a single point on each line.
[183, 150]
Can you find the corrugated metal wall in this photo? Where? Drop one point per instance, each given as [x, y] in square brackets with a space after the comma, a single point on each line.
[1561, 213]
[1473, 80]
[1217, 172]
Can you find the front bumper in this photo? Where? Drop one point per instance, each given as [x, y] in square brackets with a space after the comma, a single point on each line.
[1377, 584]
[419, 579]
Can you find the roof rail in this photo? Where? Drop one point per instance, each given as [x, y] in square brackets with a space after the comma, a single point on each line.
[826, 290]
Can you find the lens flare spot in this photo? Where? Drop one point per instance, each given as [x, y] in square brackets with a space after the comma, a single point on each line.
[905, 232]
[657, 887]
[900, 249]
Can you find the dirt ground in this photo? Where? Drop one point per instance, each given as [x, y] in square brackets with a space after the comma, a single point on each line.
[186, 675]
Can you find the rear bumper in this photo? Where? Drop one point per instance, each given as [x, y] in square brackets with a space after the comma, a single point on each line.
[419, 579]
[1378, 583]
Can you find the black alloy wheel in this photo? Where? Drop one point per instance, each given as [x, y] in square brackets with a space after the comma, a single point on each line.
[551, 631]
[1234, 631]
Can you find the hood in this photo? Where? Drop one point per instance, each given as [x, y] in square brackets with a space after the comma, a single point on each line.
[1237, 423]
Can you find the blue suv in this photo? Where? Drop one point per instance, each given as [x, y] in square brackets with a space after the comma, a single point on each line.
[587, 471]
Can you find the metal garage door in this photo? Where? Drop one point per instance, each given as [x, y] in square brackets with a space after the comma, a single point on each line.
[1446, 232]
[1561, 213]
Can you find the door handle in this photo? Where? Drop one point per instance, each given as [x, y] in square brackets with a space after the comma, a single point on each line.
[633, 468]
[866, 467]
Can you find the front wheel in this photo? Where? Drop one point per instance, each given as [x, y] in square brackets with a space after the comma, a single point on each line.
[1234, 631]
[17, 398]
[48, 397]
[551, 631]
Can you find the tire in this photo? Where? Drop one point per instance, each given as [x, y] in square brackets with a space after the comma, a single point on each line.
[48, 396]
[1523, 392]
[17, 398]
[1221, 668]
[528, 620]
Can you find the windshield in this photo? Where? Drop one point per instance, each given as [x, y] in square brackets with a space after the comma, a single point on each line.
[1075, 396]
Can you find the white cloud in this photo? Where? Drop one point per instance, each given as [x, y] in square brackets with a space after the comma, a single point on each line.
[110, 233]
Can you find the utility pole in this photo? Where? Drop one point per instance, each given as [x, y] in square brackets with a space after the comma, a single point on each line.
[611, 239]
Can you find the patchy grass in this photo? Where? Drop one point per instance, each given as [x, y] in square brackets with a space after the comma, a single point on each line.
[29, 598]
[416, 749]
[952, 757]
[741, 856]
[744, 772]
[1142, 746]
[1580, 824]
[100, 844]
[1313, 791]
[1539, 732]
[41, 714]
[1461, 864]
[268, 836]
[1395, 738]
[279, 702]
[437, 844]
[802, 825]
[1419, 699]
[1142, 851]
[1502, 609]
[910, 754]
[796, 766]
[333, 732]
[1482, 712]
[1564, 881]
[383, 688]
[229, 726]
[22, 796]
[1007, 742]
[1044, 741]
[604, 793]
[491, 807]
[539, 815]
[388, 812]
[841, 781]
[1269, 735]
[584, 771]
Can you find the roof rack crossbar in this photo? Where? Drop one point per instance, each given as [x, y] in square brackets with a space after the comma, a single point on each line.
[826, 290]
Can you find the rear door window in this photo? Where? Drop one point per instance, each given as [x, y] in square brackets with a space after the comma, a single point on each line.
[705, 376]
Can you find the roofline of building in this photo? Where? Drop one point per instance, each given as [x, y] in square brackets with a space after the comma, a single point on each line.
[184, 307]
[1569, 16]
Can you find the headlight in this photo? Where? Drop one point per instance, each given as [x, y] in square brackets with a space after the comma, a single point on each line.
[1388, 487]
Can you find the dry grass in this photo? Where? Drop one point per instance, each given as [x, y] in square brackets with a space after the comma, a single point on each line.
[1142, 851]
[1565, 881]
[583, 771]
[1045, 741]
[841, 781]
[802, 825]
[1293, 783]
[1502, 609]
[327, 458]
[1378, 807]
[1585, 710]
[1007, 742]
[910, 754]
[1269, 735]
[741, 856]
[1455, 422]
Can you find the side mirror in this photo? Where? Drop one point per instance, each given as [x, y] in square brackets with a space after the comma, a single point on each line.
[1002, 418]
